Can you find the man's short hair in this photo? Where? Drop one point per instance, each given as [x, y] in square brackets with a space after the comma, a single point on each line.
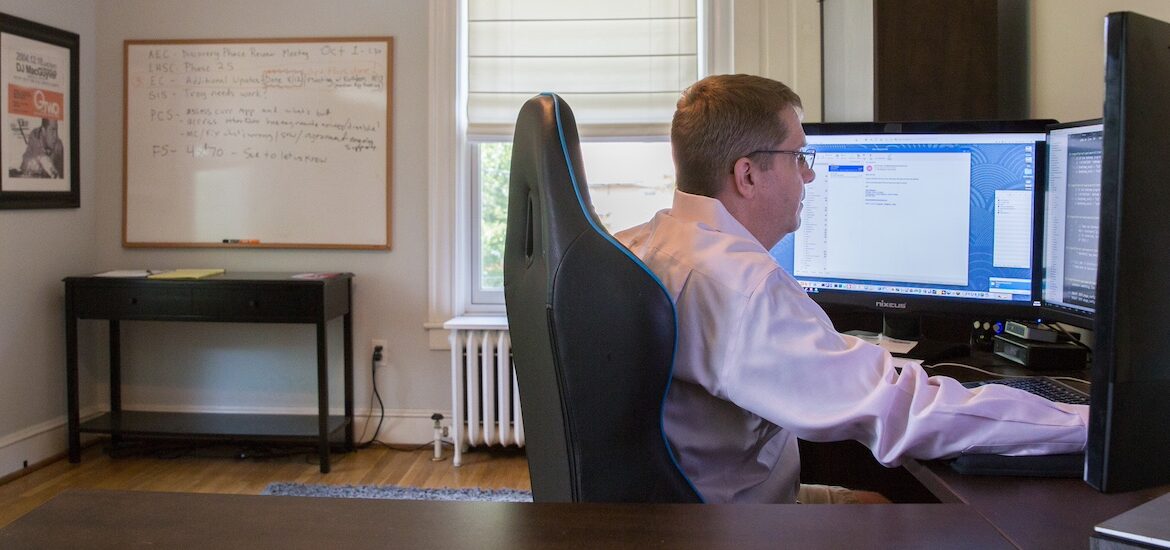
[722, 118]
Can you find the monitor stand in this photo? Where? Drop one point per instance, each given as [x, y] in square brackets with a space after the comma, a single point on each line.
[902, 327]
[909, 327]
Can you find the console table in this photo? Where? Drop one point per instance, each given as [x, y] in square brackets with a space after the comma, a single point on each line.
[236, 297]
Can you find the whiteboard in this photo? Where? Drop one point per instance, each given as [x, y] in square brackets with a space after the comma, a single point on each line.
[274, 143]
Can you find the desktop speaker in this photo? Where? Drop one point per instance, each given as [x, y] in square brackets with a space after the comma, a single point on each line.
[1040, 355]
[983, 332]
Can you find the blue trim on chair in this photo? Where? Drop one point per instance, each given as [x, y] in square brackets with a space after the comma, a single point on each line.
[637, 261]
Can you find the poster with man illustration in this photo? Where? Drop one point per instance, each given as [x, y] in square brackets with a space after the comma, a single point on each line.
[34, 124]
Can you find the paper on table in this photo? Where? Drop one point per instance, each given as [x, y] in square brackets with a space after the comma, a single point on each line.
[126, 273]
[328, 275]
[892, 345]
[186, 274]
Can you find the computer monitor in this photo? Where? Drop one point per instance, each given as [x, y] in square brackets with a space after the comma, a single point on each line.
[910, 218]
[1071, 198]
[1129, 443]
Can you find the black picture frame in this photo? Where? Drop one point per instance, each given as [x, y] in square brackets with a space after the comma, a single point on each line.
[38, 159]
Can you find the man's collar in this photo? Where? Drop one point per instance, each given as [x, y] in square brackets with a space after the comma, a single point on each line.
[707, 211]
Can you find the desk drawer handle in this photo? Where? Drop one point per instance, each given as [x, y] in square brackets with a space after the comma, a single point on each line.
[253, 304]
[133, 301]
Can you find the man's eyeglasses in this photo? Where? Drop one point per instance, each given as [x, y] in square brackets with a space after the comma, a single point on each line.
[806, 156]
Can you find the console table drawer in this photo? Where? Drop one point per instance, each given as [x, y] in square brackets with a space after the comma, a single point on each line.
[128, 303]
[276, 304]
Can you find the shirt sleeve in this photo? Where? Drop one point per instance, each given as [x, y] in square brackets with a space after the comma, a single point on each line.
[796, 371]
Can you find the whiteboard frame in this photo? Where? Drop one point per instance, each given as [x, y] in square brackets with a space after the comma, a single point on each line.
[127, 139]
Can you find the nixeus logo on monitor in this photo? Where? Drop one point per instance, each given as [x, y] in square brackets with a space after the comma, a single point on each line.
[890, 305]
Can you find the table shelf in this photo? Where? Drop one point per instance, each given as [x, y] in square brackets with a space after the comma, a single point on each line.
[235, 297]
[216, 426]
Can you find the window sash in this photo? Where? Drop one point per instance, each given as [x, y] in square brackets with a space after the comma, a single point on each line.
[631, 179]
[480, 295]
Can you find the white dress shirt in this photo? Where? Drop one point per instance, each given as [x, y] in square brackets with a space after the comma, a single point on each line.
[759, 365]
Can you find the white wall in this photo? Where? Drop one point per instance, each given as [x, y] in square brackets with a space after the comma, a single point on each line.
[1067, 48]
[781, 39]
[37, 249]
[225, 367]
[200, 366]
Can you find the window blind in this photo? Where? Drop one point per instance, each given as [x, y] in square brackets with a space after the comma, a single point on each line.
[620, 64]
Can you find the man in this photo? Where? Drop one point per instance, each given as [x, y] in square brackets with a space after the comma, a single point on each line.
[759, 364]
[44, 156]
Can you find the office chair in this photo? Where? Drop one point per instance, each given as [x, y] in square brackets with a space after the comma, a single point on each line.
[593, 331]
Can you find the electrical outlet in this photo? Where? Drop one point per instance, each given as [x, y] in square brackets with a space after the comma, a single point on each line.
[375, 344]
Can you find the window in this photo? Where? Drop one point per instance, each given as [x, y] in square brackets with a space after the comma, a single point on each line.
[629, 180]
[620, 64]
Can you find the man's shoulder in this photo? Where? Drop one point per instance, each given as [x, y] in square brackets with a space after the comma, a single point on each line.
[628, 237]
[723, 259]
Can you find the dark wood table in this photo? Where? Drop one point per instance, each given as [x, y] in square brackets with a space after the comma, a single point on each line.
[235, 297]
[1032, 512]
[124, 519]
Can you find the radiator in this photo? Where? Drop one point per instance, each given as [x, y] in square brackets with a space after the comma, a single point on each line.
[485, 401]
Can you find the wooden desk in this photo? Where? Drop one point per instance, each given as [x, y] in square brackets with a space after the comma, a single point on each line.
[1031, 512]
[121, 519]
[236, 297]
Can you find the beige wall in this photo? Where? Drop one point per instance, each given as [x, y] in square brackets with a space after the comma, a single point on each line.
[781, 39]
[271, 368]
[1067, 48]
[211, 366]
[37, 249]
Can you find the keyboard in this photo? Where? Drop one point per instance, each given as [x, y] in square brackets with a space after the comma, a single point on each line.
[1048, 388]
[1063, 466]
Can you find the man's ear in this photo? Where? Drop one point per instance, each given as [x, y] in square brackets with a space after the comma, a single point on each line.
[743, 174]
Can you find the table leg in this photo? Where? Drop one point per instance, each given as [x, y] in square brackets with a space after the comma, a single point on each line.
[322, 398]
[71, 382]
[347, 328]
[115, 383]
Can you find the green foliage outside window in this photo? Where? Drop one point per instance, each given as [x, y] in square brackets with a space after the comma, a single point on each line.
[495, 160]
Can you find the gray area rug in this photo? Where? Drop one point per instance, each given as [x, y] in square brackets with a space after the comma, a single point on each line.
[393, 492]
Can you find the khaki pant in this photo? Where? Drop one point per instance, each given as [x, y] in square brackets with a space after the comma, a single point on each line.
[825, 494]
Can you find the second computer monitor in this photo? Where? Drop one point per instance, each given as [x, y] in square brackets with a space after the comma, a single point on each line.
[1072, 221]
[923, 217]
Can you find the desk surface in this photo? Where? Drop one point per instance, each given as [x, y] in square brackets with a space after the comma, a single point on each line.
[125, 519]
[1031, 512]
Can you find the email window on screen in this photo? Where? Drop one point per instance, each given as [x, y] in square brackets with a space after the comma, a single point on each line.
[887, 217]
[917, 214]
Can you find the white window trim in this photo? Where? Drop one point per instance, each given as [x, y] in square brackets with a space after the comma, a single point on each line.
[448, 180]
[446, 170]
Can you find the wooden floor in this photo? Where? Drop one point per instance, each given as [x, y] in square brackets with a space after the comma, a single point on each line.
[221, 469]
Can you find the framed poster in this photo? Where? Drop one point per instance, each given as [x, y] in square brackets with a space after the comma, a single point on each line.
[38, 115]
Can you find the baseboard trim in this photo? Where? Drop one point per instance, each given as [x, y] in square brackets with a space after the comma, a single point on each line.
[35, 446]
[44, 443]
